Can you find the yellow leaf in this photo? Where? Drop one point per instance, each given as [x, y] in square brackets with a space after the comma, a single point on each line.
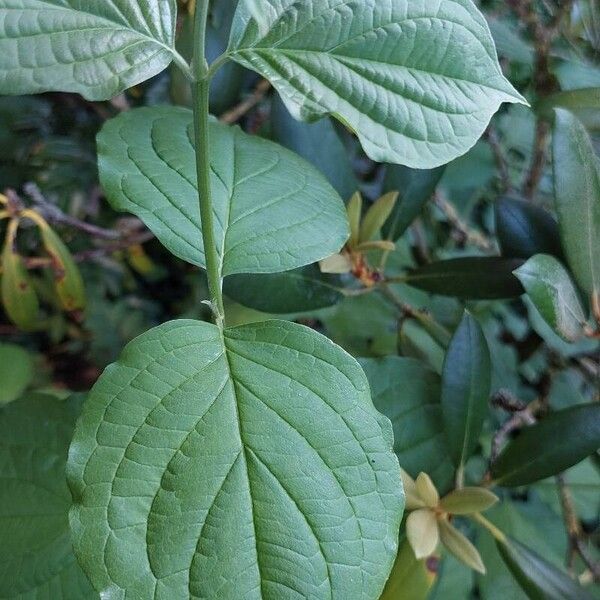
[468, 500]
[458, 545]
[377, 215]
[413, 500]
[427, 490]
[354, 210]
[422, 532]
[338, 263]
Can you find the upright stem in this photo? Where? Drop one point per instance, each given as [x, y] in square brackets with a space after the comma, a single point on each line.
[201, 89]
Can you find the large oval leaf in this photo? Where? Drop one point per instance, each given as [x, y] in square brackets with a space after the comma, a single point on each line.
[408, 393]
[36, 558]
[92, 47]
[418, 81]
[577, 194]
[466, 383]
[547, 448]
[273, 210]
[248, 463]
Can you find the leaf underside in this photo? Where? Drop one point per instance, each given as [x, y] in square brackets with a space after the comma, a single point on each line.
[246, 464]
[96, 48]
[273, 210]
[418, 81]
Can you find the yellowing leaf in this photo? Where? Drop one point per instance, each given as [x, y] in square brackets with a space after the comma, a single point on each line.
[377, 215]
[468, 500]
[427, 490]
[422, 532]
[456, 543]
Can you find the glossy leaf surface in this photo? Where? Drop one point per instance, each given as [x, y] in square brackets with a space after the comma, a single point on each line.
[559, 441]
[538, 578]
[273, 210]
[417, 81]
[553, 293]
[36, 558]
[249, 463]
[577, 195]
[466, 382]
[525, 230]
[477, 278]
[96, 48]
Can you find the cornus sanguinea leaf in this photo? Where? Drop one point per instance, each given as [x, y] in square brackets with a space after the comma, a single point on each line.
[96, 48]
[417, 81]
[243, 463]
[273, 210]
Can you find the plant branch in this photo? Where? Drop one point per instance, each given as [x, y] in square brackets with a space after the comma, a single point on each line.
[201, 90]
[237, 112]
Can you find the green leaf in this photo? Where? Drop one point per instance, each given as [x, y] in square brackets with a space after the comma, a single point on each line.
[96, 49]
[208, 462]
[525, 230]
[318, 143]
[559, 441]
[416, 187]
[538, 578]
[35, 550]
[553, 293]
[410, 578]
[376, 216]
[459, 546]
[273, 211]
[301, 290]
[468, 500]
[408, 393]
[577, 194]
[466, 383]
[473, 278]
[16, 372]
[417, 81]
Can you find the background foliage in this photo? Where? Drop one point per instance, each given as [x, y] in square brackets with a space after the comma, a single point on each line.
[475, 285]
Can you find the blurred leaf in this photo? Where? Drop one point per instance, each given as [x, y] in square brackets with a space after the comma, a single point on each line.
[410, 578]
[69, 284]
[415, 187]
[468, 500]
[460, 547]
[317, 143]
[466, 382]
[559, 441]
[416, 342]
[302, 290]
[422, 532]
[408, 393]
[577, 194]
[524, 229]
[377, 215]
[354, 210]
[553, 293]
[475, 278]
[539, 579]
[35, 546]
[19, 298]
[509, 42]
[427, 490]
[16, 372]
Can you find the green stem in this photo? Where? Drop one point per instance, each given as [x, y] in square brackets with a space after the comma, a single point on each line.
[496, 533]
[201, 89]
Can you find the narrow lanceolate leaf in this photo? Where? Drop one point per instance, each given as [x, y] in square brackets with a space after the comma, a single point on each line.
[538, 578]
[94, 48]
[377, 215]
[476, 278]
[456, 543]
[525, 230]
[273, 210]
[468, 500]
[208, 462]
[36, 559]
[68, 281]
[530, 457]
[19, 298]
[577, 194]
[466, 385]
[417, 81]
[553, 293]
[301, 290]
